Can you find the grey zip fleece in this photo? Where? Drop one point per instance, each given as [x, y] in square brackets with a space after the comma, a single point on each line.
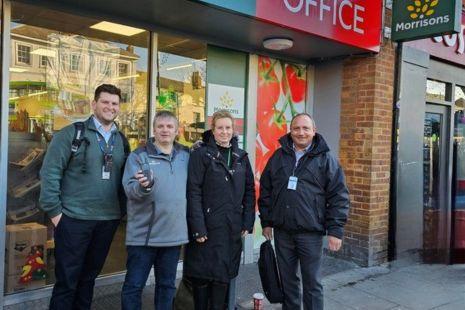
[157, 216]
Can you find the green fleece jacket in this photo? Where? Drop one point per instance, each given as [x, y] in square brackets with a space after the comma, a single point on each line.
[73, 184]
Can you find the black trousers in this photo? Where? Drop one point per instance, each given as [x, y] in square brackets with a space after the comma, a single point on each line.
[209, 295]
[81, 247]
[306, 249]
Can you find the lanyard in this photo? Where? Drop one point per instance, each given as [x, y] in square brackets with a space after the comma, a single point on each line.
[106, 148]
[229, 158]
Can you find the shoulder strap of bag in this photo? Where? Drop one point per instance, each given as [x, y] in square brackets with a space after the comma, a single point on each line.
[126, 146]
[79, 130]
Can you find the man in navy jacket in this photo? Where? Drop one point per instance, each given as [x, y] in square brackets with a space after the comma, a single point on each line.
[303, 196]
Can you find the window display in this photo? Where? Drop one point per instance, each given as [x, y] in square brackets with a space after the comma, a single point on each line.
[57, 61]
[182, 76]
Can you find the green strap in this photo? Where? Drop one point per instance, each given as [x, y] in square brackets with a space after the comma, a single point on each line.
[229, 158]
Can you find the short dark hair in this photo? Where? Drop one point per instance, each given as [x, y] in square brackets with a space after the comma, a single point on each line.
[165, 114]
[107, 88]
[303, 114]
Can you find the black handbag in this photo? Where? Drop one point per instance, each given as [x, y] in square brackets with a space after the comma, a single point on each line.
[269, 275]
[184, 299]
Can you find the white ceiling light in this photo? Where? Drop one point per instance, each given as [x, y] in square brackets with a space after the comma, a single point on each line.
[44, 52]
[117, 28]
[278, 44]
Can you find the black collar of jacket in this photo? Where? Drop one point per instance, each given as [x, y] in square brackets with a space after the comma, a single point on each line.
[212, 147]
[319, 145]
[153, 150]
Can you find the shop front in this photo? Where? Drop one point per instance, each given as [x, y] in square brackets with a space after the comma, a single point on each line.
[174, 57]
[430, 174]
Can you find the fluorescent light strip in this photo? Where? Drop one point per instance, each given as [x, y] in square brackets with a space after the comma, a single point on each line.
[38, 93]
[179, 67]
[126, 77]
[117, 28]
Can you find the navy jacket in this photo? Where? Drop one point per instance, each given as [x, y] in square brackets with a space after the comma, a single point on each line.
[321, 201]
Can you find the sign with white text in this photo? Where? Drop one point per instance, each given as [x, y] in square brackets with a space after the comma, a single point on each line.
[416, 19]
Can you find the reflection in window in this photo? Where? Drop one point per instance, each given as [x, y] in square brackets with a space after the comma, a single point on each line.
[24, 54]
[67, 61]
[75, 60]
[123, 69]
[436, 90]
[182, 76]
[458, 214]
[43, 61]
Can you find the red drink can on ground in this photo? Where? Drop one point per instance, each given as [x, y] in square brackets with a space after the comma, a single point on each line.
[258, 301]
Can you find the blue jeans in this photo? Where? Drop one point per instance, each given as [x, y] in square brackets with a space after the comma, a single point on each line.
[140, 261]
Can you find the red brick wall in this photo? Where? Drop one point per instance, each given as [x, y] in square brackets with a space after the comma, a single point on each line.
[365, 153]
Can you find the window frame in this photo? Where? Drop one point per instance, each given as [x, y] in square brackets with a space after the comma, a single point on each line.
[17, 61]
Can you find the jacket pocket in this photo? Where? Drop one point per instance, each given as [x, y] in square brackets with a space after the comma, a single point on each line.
[215, 217]
[309, 217]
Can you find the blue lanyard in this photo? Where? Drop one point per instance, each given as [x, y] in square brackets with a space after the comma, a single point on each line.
[106, 148]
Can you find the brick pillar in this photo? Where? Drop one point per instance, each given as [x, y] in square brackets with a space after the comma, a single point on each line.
[365, 153]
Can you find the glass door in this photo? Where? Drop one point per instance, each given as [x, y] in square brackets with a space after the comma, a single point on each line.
[435, 190]
[458, 179]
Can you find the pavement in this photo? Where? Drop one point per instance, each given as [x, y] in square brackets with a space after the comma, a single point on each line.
[403, 284]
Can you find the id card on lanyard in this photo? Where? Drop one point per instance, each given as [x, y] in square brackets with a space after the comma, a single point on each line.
[107, 150]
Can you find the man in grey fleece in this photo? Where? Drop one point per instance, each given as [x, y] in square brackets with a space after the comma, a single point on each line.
[154, 180]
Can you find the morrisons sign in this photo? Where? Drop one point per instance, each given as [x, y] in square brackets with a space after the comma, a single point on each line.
[416, 19]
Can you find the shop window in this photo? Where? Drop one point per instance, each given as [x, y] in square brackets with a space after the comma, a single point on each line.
[182, 76]
[73, 59]
[23, 54]
[458, 212]
[438, 91]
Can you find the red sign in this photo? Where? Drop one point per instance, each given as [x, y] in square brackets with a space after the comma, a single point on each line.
[353, 22]
[447, 47]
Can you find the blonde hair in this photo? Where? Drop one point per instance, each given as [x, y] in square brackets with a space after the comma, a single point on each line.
[221, 114]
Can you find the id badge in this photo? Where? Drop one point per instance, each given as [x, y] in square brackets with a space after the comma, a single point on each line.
[292, 184]
[105, 173]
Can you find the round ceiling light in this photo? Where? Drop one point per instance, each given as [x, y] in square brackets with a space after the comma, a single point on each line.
[278, 44]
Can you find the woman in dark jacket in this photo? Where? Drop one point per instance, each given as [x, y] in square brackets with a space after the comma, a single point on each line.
[221, 199]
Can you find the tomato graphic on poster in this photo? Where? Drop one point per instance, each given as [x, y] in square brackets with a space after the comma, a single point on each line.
[281, 94]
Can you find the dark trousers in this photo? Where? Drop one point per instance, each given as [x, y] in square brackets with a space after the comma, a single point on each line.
[81, 247]
[140, 261]
[209, 295]
[306, 248]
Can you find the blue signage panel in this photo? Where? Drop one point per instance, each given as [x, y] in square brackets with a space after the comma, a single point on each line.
[242, 6]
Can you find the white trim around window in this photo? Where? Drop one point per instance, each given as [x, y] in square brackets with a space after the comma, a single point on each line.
[17, 61]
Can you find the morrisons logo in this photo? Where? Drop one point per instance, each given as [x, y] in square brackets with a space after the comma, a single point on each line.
[421, 14]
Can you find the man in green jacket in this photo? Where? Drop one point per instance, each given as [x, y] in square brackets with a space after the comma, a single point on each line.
[81, 191]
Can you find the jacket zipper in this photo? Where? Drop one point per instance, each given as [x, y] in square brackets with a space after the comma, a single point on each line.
[152, 217]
